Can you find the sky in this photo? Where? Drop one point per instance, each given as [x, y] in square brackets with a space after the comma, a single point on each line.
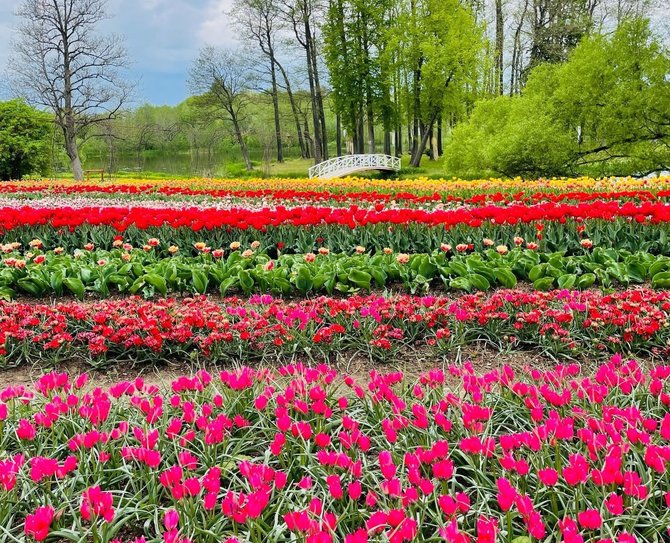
[162, 38]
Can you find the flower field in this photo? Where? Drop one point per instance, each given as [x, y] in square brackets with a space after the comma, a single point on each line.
[263, 292]
[309, 454]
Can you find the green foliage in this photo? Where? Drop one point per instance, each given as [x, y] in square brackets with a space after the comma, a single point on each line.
[104, 272]
[448, 42]
[24, 140]
[355, 38]
[605, 111]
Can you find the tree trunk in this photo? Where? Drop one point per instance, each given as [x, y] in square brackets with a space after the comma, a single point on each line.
[68, 124]
[421, 147]
[308, 140]
[72, 150]
[398, 140]
[440, 150]
[241, 143]
[387, 142]
[371, 129]
[415, 135]
[338, 134]
[275, 105]
[416, 111]
[77, 170]
[304, 152]
[432, 144]
[499, 48]
[361, 131]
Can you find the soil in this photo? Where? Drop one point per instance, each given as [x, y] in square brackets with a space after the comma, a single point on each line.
[411, 363]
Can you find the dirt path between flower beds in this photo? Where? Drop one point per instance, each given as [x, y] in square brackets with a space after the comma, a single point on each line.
[412, 363]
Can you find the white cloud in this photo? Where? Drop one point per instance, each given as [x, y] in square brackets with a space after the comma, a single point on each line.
[162, 37]
[215, 28]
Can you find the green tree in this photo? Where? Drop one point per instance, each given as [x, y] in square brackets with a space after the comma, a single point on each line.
[614, 95]
[606, 111]
[24, 140]
[438, 46]
[355, 37]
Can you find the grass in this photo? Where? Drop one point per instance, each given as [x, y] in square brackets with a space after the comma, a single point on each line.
[290, 168]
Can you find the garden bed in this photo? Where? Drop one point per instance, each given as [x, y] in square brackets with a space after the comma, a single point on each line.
[356, 361]
[514, 454]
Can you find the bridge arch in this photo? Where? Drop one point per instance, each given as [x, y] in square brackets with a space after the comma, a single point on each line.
[349, 164]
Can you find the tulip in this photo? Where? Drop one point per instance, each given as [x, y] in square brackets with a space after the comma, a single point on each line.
[38, 524]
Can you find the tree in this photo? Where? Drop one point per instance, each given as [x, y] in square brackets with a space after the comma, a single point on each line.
[355, 40]
[614, 94]
[222, 80]
[606, 111]
[443, 44]
[259, 21]
[63, 64]
[300, 15]
[557, 27]
[24, 140]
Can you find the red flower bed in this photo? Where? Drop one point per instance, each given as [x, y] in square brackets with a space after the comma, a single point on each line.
[558, 322]
[352, 217]
[309, 454]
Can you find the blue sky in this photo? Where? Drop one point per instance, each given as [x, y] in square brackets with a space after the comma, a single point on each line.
[162, 38]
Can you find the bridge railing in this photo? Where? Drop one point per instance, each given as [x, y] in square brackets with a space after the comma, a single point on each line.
[343, 164]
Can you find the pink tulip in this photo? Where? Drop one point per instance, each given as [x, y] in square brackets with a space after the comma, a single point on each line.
[38, 524]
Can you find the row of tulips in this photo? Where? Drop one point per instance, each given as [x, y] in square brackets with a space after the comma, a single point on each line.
[140, 193]
[408, 237]
[308, 454]
[420, 186]
[142, 271]
[121, 218]
[558, 323]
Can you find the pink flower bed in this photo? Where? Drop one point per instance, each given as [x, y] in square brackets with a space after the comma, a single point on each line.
[312, 455]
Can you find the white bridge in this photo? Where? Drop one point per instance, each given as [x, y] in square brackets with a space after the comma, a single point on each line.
[346, 165]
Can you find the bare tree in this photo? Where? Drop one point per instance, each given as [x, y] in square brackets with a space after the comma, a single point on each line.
[259, 21]
[302, 15]
[222, 80]
[63, 64]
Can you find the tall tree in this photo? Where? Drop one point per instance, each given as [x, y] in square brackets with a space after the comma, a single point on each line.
[440, 43]
[355, 36]
[302, 15]
[259, 21]
[63, 64]
[222, 80]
